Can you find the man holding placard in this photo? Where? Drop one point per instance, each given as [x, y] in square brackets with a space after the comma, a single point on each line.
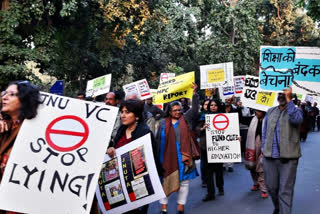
[281, 150]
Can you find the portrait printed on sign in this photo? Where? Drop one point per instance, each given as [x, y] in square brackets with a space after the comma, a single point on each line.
[137, 178]
[137, 182]
[110, 185]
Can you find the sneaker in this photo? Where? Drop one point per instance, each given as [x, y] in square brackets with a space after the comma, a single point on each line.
[264, 195]
[255, 188]
[230, 169]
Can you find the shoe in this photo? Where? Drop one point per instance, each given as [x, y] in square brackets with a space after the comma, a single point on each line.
[208, 198]
[163, 212]
[230, 169]
[180, 212]
[255, 188]
[221, 192]
[264, 195]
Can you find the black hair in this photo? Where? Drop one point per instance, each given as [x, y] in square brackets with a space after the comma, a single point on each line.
[116, 95]
[81, 94]
[202, 109]
[28, 95]
[169, 107]
[134, 106]
[220, 107]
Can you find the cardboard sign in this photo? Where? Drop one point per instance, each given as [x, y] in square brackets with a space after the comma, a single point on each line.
[176, 88]
[154, 92]
[140, 88]
[290, 66]
[222, 138]
[56, 159]
[98, 86]
[254, 97]
[166, 76]
[130, 180]
[238, 85]
[216, 75]
[226, 91]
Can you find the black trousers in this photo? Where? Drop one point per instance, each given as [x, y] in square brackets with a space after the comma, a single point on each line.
[217, 169]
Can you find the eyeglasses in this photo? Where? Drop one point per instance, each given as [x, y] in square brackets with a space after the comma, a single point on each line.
[177, 110]
[10, 93]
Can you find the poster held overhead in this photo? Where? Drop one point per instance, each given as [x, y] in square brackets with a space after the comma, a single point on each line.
[57, 157]
[283, 66]
[140, 88]
[98, 86]
[135, 181]
[175, 88]
[215, 75]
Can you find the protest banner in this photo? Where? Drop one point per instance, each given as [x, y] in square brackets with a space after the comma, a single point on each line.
[226, 91]
[56, 159]
[298, 67]
[166, 76]
[222, 136]
[254, 97]
[98, 86]
[175, 88]
[129, 180]
[154, 92]
[216, 75]
[140, 88]
[238, 85]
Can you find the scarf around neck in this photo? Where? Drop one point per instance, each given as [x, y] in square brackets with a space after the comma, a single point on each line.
[171, 181]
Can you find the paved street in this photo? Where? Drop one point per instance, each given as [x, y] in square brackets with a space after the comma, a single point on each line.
[239, 199]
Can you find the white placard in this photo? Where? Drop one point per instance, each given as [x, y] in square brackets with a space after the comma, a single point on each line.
[140, 88]
[254, 97]
[98, 86]
[238, 85]
[222, 138]
[130, 180]
[166, 76]
[215, 75]
[56, 159]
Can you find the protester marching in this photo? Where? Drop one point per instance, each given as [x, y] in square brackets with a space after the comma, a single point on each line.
[99, 153]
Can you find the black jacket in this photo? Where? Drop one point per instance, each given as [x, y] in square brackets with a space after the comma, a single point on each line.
[141, 130]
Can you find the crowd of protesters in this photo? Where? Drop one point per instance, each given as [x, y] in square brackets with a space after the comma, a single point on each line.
[270, 140]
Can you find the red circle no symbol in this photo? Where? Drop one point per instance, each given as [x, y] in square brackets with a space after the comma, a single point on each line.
[67, 133]
[220, 122]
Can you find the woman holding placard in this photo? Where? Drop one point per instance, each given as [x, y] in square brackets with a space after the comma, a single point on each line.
[174, 136]
[214, 107]
[131, 129]
[19, 101]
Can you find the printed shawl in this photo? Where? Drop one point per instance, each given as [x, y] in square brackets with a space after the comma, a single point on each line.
[171, 181]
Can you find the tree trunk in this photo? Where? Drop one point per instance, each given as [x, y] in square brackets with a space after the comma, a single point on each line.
[5, 4]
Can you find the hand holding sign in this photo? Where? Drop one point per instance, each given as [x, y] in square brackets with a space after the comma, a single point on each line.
[288, 93]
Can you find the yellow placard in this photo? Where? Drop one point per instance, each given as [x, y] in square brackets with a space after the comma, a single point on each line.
[266, 98]
[175, 88]
[215, 76]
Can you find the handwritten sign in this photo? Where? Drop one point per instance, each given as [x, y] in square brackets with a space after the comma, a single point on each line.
[290, 66]
[98, 86]
[216, 75]
[254, 97]
[175, 88]
[238, 85]
[57, 157]
[226, 91]
[139, 88]
[129, 180]
[222, 138]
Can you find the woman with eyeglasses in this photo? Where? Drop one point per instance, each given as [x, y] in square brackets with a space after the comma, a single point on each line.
[174, 136]
[19, 101]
